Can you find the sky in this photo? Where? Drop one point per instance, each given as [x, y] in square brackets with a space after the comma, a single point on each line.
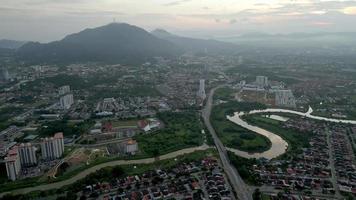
[49, 20]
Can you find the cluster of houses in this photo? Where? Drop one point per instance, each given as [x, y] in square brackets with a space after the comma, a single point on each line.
[344, 159]
[309, 169]
[196, 180]
[130, 107]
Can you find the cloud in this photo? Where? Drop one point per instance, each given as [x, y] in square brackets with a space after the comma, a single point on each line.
[350, 10]
[233, 21]
[176, 3]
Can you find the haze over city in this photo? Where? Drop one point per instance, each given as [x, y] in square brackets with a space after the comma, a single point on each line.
[48, 20]
[177, 100]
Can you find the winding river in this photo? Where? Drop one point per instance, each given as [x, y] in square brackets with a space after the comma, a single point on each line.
[279, 145]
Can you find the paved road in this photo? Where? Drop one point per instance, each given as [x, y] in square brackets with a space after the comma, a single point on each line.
[242, 190]
[332, 165]
[93, 169]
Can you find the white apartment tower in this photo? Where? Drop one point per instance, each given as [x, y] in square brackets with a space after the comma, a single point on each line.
[66, 101]
[52, 148]
[64, 90]
[285, 98]
[201, 92]
[13, 165]
[261, 81]
[27, 154]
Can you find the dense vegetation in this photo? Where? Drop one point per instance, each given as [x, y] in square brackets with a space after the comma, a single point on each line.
[244, 167]
[182, 130]
[68, 129]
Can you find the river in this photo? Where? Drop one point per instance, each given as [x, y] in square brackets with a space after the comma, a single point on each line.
[279, 145]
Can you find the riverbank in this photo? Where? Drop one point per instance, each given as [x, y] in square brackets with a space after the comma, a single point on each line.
[279, 145]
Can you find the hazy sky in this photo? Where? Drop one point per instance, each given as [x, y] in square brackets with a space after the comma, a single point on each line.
[46, 20]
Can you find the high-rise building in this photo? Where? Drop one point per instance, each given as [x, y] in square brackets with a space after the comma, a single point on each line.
[201, 92]
[27, 154]
[285, 98]
[261, 81]
[12, 162]
[4, 75]
[64, 90]
[52, 148]
[66, 101]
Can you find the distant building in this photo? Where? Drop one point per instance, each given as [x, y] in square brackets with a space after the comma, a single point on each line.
[148, 124]
[129, 147]
[13, 165]
[285, 98]
[5, 147]
[262, 81]
[52, 148]
[201, 92]
[64, 90]
[27, 154]
[10, 134]
[4, 75]
[66, 101]
[108, 105]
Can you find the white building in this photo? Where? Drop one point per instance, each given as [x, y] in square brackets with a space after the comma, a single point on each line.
[27, 154]
[201, 92]
[52, 148]
[66, 101]
[130, 147]
[262, 81]
[13, 165]
[285, 98]
[64, 90]
[108, 105]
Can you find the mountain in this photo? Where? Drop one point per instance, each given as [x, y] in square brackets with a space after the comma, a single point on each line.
[114, 42]
[11, 44]
[196, 45]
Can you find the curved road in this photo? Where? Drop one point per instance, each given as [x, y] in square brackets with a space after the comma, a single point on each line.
[93, 169]
[242, 190]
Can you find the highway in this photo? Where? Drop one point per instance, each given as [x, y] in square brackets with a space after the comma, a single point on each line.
[242, 190]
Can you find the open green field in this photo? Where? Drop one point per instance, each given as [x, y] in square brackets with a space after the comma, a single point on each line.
[233, 135]
[182, 130]
[295, 139]
[224, 94]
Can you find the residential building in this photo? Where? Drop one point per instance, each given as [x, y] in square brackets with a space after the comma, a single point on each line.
[129, 147]
[66, 101]
[10, 134]
[4, 75]
[262, 81]
[285, 98]
[201, 92]
[64, 90]
[27, 154]
[13, 165]
[52, 148]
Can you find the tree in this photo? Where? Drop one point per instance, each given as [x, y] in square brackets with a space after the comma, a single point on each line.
[257, 194]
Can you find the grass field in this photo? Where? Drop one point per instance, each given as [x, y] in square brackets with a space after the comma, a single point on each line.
[182, 130]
